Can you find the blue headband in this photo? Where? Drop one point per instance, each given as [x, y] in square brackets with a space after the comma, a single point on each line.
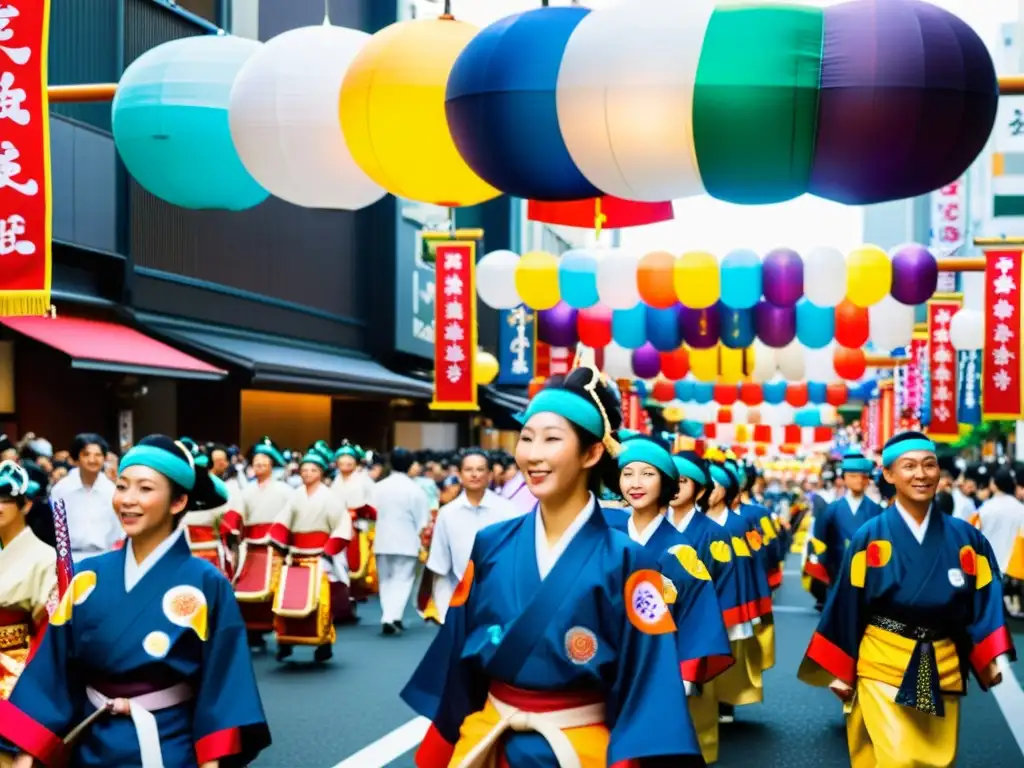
[721, 477]
[271, 452]
[648, 452]
[857, 465]
[687, 468]
[314, 458]
[346, 450]
[174, 468]
[220, 489]
[892, 452]
[733, 469]
[578, 409]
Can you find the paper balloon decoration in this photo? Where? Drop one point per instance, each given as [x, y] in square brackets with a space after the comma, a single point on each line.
[852, 324]
[774, 394]
[796, 394]
[889, 71]
[646, 362]
[577, 278]
[764, 367]
[816, 392]
[654, 279]
[618, 362]
[868, 275]
[485, 368]
[285, 124]
[663, 391]
[751, 393]
[502, 110]
[625, 97]
[815, 325]
[891, 324]
[850, 364]
[684, 390]
[536, 280]
[697, 280]
[703, 393]
[824, 276]
[726, 394]
[557, 326]
[915, 274]
[393, 113]
[783, 277]
[704, 364]
[701, 327]
[819, 364]
[733, 365]
[629, 326]
[594, 326]
[737, 327]
[790, 361]
[837, 394]
[663, 328]
[741, 279]
[776, 326]
[616, 279]
[170, 123]
[496, 280]
[675, 364]
[967, 330]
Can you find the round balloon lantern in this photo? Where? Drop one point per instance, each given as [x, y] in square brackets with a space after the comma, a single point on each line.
[820, 363]
[815, 325]
[891, 324]
[618, 362]
[703, 393]
[646, 362]
[496, 280]
[751, 393]
[557, 326]
[629, 326]
[664, 391]
[393, 113]
[733, 365]
[594, 326]
[697, 279]
[701, 327]
[684, 390]
[816, 392]
[170, 123]
[625, 97]
[889, 70]
[654, 279]
[616, 279]
[791, 361]
[663, 328]
[868, 275]
[774, 392]
[915, 274]
[675, 364]
[485, 368]
[850, 363]
[737, 327]
[704, 364]
[967, 330]
[284, 119]
[537, 280]
[783, 277]
[758, 63]
[797, 394]
[764, 367]
[851, 325]
[726, 394]
[824, 276]
[577, 278]
[502, 111]
[776, 326]
[741, 279]
[837, 393]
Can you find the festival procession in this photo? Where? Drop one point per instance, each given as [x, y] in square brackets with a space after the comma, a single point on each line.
[718, 459]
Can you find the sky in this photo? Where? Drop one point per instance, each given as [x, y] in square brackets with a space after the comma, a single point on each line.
[703, 223]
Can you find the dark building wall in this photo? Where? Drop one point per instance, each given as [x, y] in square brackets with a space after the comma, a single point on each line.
[84, 49]
[83, 164]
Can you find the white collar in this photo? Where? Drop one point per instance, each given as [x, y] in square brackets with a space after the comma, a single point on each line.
[133, 571]
[20, 537]
[686, 519]
[487, 501]
[644, 536]
[919, 530]
[548, 556]
[854, 503]
[724, 518]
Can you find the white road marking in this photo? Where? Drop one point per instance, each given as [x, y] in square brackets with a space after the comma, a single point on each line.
[796, 574]
[1010, 698]
[792, 609]
[389, 747]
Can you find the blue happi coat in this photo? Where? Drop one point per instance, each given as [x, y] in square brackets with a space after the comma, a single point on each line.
[833, 530]
[772, 552]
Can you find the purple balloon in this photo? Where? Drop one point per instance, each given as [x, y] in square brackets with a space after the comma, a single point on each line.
[557, 326]
[701, 327]
[783, 277]
[646, 362]
[776, 326]
[915, 274]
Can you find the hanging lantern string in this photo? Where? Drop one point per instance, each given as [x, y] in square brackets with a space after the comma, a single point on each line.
[447, 10]
[327, 13]
[599, 218]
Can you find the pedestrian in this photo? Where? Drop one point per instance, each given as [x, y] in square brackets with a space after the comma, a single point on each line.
[402, 514]
[1001, 519]
[87, 494]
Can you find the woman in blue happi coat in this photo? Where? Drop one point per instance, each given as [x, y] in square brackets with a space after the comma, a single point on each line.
[145, 662]
[560, 644]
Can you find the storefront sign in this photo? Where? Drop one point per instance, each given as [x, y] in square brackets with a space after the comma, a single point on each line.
[1001, 391]
[968, 410]
[517, 342]
[25, 207]
[455, 324]
[942, 370]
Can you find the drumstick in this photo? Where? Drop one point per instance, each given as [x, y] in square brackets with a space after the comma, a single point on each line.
[77, 731]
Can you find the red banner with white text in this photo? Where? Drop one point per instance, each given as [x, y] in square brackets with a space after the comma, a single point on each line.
[1001, 388]
[455, 328]
[942, 368]
[25, 195]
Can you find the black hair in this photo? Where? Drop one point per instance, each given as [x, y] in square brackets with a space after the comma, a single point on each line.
[402, 460]
[218, 447]
[1005, 481]
[1018, 474]
[703, 489]
[669, 487]
[886, 489]
[944, 502]
[84, 440]
[732, 490]
[476, 452]
[751, 477]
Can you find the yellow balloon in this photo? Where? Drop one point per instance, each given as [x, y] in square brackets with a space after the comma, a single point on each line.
[734, 363]
[868, 275]
[393, 115]
[673, 414]
[486, 366]
[697, 279]
[537, 280]
[704, 364]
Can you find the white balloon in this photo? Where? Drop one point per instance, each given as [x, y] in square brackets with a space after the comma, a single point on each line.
[790, 360]
[967, 330]
[891, 324]
[616, 279]
[824, 276]
[285, 122]
[819, 364]
[618, 362]
[625, 97]
[496, 280]
[765, 363]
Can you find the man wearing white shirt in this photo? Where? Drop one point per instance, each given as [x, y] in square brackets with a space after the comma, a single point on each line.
[1001, 519]
[88, 496]
[457, 525]
[402, 514]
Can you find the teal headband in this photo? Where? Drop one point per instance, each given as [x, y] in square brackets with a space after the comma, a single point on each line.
[314, 458]
[174, 468]
[648, 452]
[575, 408]
[894, 451]
[857, 465]
[721, 477]
[271, 452]
[346, 450]
[733, 469]
[202, 460]
[687, 468]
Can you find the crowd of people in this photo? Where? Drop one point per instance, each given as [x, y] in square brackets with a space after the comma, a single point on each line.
[617, 592]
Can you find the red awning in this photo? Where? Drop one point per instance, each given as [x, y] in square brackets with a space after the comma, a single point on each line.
[101, 345]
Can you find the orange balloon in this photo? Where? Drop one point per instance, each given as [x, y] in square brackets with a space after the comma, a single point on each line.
[837, 393]
[664, 391]
[654, 280]
[751, 393]
[851, 326]
[674, 365]
[849, 364]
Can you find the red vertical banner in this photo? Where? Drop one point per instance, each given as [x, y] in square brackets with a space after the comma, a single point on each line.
[1001, 388]
[455, 328]
[942, 368]
[887, 411]
[874, 432]
[916, 372]
[25, 193]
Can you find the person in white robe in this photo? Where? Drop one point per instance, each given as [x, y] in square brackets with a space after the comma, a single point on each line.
[88, 496]
[1001, 519]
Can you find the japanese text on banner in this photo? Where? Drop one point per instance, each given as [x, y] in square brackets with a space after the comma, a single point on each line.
[969, 405]
[1001, 396]
[24, 159]
[942, 369]
[455, 327]
[517, 341]
[948, 225]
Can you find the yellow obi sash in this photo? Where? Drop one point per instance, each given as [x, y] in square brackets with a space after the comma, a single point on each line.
[919, 663]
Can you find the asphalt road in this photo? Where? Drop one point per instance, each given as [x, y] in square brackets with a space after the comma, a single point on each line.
[322, 715]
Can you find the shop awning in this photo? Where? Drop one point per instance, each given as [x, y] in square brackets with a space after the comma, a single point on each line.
[104, 345]
[502, 406]
[280, 361]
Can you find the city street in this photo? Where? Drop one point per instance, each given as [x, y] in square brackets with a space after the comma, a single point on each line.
[348, 714]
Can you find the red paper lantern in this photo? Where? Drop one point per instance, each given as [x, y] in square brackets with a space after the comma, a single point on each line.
[740, 451]
[796, 394]
[761, 449]
[851, 328]
[751, 394]
[726, 394]
[535, 386]
[674, 365]
[849, 363]
[664, 391]
[594, 326]
[724, 415]
[788, 450]
[837, 393]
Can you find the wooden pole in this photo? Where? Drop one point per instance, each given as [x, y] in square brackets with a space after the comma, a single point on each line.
[93, 92]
